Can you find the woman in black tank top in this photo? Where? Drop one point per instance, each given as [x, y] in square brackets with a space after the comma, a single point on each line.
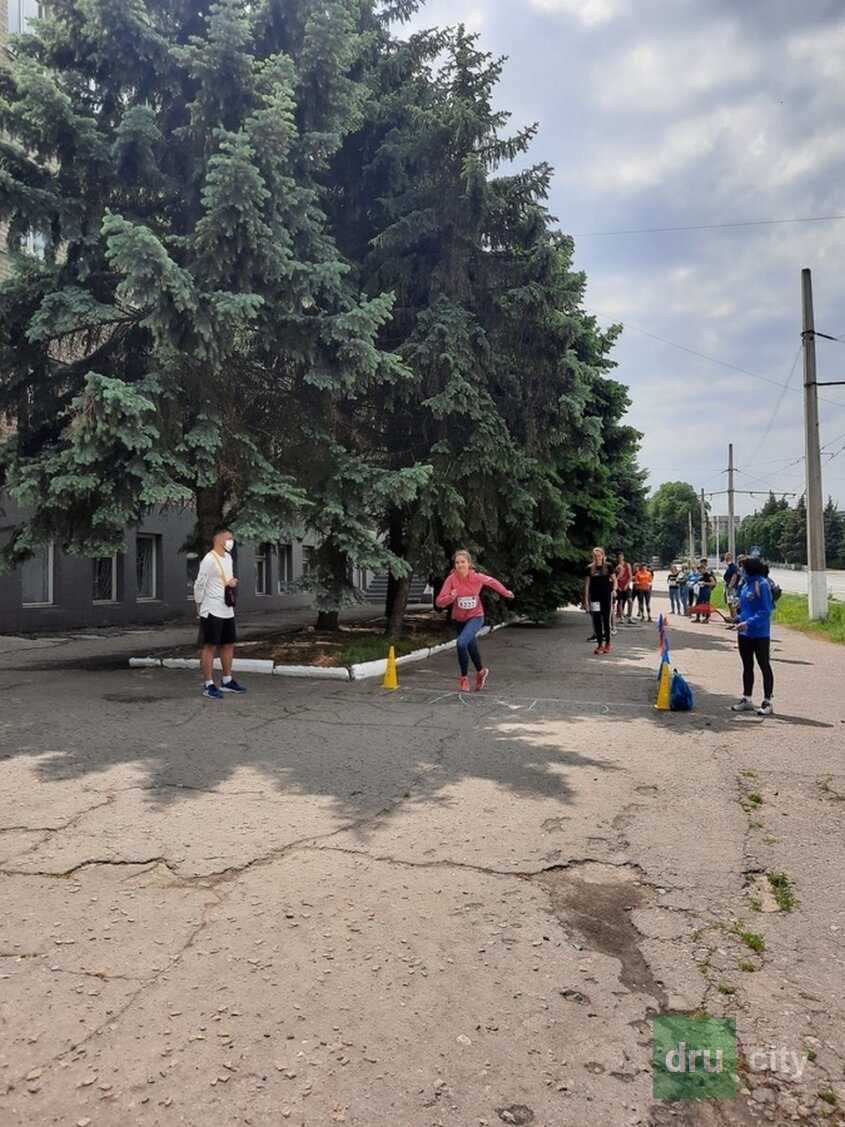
[598, 597]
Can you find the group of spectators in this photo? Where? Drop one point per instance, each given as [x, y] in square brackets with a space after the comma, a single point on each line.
[750, 597]
[692, 585]
[609, 595]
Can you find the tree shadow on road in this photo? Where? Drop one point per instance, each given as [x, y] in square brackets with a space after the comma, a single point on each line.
[355, 746]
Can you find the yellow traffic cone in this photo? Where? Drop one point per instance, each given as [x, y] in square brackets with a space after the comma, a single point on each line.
[391, 681]
[663, 689]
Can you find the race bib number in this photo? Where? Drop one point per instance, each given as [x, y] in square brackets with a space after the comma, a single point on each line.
[467, 602]
[595, 607]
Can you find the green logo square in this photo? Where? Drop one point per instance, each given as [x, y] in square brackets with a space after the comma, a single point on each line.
[693, 1058]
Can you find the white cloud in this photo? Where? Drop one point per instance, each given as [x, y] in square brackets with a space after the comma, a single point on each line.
[665, 73]
[587, 12]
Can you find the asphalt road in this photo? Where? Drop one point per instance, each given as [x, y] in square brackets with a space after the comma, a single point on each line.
[325, 903]
[796, 581]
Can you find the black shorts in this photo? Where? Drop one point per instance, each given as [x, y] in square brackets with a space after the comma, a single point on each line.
[217, 631]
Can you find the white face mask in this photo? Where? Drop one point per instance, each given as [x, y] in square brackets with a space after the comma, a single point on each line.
[229, 545]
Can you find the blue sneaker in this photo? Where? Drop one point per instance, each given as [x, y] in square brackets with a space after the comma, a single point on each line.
[232, 687]
[212, 692]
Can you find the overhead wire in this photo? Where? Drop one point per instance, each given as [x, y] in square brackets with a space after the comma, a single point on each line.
[708, 226]
[777, 407]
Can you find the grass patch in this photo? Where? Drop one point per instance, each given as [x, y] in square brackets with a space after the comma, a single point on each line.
[751, 939]
[829, 1096]
[756, 904]
[747, 966]
[792, 611]
[782, 891]
[725, 989]
[748, 774]
[811, 1054]
[375, 648]
[754, 799]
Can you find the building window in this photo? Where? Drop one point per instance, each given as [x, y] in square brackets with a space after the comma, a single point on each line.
[309, 560]
[285, 568]
[105, 579]
[37, 578]
[146, 558]
[21, 14]
[262, 570]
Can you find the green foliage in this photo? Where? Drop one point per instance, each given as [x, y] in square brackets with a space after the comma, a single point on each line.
[670, 509]
[199, 321]
[289, 278]
[508, 401]
[793, 541]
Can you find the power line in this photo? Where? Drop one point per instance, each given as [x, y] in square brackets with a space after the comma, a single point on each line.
[712, 359]
[708, 226]
[777, 407]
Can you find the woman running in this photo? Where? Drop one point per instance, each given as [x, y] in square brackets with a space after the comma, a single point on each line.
[754, 635]
[462, 591]
[643, 579]
[598, 598]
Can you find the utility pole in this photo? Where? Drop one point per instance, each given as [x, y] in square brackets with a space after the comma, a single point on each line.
[731, 525]
[718, 523]
[816, 564]
[691, 542]
[704, 551]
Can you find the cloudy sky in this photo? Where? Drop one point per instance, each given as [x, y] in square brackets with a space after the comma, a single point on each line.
[677, 113]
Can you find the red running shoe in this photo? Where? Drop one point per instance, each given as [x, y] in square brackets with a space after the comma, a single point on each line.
[606, 649]
[463, 685]
[598, 650]
[481, 679]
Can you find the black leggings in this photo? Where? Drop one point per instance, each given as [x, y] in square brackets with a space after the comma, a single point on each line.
[601, 623]
[749, 648]
[644, 597]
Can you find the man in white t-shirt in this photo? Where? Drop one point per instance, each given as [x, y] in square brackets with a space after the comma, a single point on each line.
[214, 594]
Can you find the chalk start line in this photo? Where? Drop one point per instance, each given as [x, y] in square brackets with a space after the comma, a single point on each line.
[490, 702]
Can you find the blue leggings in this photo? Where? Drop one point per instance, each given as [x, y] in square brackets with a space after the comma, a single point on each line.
[467, 645]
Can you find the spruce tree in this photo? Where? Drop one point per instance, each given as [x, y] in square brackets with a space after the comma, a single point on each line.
[793, 543]
[191, 295]
[504, 401]
[834, 534]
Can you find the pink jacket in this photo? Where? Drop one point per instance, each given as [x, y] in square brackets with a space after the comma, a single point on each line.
[465, 594]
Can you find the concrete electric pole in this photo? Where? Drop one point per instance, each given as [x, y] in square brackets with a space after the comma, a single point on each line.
[704, 553]
[731, 524]
[816, 564]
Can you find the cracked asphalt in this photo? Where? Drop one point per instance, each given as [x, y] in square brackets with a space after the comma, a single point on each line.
[328, 904]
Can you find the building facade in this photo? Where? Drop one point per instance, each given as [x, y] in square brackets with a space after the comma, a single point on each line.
[150, 581]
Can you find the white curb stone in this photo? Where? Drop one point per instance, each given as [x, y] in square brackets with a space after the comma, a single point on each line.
[365, 669]
[339, 673]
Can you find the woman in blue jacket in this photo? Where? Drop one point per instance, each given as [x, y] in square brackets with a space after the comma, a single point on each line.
[754, 630]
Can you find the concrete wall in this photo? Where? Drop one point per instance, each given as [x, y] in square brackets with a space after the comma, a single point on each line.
[73, 604]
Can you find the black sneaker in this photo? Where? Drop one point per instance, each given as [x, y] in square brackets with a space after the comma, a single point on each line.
[212, 692]
[232, 687]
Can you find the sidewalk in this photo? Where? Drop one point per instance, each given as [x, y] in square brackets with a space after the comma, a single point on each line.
[335, 905]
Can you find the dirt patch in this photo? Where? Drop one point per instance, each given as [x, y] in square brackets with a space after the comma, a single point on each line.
[364, 641]
[595, 906]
